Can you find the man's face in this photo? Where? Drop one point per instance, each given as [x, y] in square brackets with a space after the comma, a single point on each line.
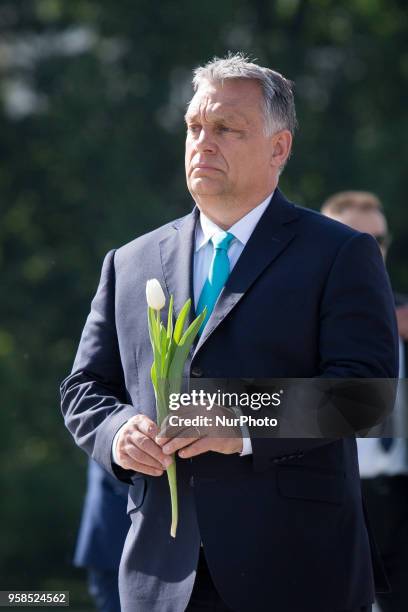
[369, 221]
[227, 153]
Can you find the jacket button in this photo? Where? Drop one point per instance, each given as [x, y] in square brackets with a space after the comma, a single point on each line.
[196, 371]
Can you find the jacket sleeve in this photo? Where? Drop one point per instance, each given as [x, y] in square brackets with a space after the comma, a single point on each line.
[93, 396]
[358, 339]
[358, 329]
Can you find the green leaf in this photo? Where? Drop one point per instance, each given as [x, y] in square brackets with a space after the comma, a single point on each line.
[170, 319]
[171, 346]
[191, 332]
[152, 320]
[162, 400]
[178, 330]
[163, 347]
[153, 376]
[180, 354]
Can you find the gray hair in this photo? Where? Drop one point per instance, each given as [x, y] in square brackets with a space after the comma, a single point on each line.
[278, 103]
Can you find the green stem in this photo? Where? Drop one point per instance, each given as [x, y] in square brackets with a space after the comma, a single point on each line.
[162, 409]
[171, 475]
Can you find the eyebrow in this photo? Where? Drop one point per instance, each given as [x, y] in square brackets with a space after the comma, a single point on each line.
[232, 117]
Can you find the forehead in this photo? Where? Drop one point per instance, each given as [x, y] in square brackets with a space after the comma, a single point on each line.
[241, 98]
[370, 221]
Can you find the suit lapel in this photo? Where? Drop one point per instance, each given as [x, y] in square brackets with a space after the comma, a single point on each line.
[269, 239]
[177, 252]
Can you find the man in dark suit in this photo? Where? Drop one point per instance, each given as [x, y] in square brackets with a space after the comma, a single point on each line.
[103, 529]
[280, 521]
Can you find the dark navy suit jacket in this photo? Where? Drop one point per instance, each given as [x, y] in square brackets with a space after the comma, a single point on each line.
[104, 521]
[285, 526]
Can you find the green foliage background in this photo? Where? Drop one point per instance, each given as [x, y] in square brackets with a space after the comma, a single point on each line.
[92, 95]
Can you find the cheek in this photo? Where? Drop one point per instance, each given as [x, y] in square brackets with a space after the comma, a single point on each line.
[188, 151]
[187, 157]
[244, 161]
[257, 158]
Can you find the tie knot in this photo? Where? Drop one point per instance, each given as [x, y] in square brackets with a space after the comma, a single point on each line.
[222, 240]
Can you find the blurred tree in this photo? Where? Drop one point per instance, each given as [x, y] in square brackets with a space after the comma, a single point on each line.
[92, 95]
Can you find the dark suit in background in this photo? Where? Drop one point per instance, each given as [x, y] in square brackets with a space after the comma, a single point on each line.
[383, 459]
[103, 529]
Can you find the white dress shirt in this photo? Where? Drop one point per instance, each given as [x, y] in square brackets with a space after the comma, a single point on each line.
[205, 230]
[203, 253]
[373, 459]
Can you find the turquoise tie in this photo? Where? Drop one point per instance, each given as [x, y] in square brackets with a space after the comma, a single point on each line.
[217, 275]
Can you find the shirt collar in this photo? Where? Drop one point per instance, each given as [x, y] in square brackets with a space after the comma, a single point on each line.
[241, 230]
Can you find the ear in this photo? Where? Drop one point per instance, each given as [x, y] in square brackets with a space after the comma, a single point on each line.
[281, 146]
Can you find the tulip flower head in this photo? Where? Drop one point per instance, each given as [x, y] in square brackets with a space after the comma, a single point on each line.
[154, 294]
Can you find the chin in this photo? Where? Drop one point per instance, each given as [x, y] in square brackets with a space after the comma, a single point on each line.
[205, 187]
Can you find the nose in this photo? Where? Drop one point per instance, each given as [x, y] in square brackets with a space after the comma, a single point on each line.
[205, 143]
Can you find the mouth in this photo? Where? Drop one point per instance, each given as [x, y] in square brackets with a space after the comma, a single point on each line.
[205, 167]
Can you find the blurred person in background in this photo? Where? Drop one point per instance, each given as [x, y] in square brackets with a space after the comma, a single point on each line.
[384, 460]
[102, 533]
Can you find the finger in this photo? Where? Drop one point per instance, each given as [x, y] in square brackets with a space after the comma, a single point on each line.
[161, 441]
[149, 447]
[203, 445]
[177, 443]
[146, 426]
[164, 435]
[136, 466]
[136, 454]
[169, 432]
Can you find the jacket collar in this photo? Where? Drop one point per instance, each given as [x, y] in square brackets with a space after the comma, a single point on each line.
[270, 238]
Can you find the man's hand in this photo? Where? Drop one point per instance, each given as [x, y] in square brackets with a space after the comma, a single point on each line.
[402, 320]
[137, 450]
[191, 441]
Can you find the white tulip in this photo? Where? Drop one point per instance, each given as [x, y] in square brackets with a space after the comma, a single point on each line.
[154, 294]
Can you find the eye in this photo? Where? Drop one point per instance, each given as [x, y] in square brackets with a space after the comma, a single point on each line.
[223, 129]
[194, 128]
